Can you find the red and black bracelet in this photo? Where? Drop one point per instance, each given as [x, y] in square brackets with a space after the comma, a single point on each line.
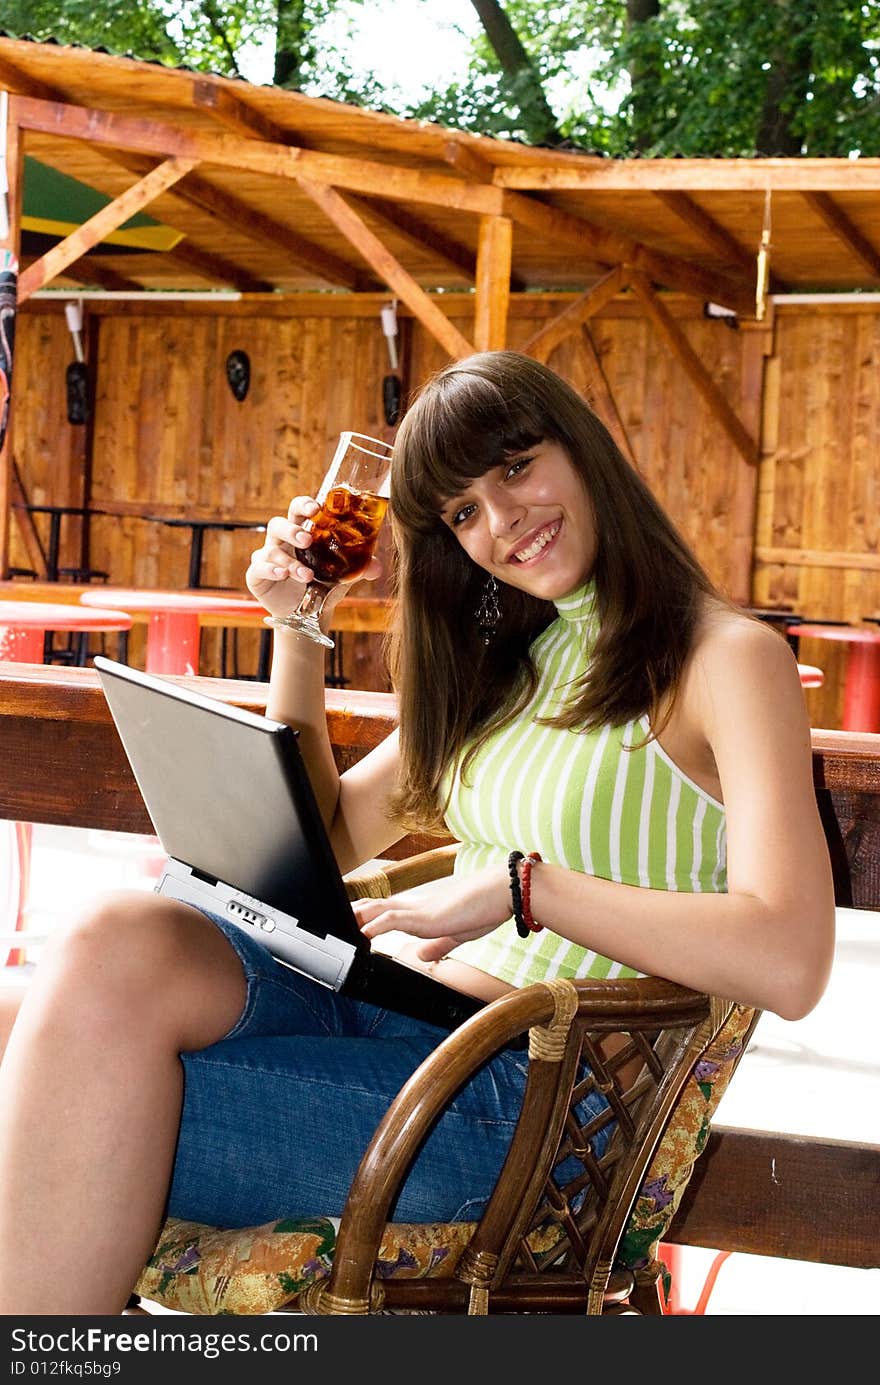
[521, 894]
[531, 859]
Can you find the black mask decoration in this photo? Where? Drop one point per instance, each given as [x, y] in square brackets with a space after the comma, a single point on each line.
[238, 373]
[391, 392]
[77, 379]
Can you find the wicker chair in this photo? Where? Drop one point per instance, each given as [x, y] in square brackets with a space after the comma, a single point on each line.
[582, 1243]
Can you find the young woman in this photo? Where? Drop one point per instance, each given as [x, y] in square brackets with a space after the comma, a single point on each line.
[571, 687]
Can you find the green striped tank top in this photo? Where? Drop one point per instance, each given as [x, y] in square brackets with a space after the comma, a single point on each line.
[583, 801]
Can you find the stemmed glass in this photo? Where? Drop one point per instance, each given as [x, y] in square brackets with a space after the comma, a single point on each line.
[353, 497]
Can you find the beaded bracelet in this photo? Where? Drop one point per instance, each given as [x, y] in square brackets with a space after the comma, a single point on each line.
[531, 859]
[513, 861]
[520, 894]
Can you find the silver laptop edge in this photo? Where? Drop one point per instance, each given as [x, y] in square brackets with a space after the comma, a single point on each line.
[326, 960]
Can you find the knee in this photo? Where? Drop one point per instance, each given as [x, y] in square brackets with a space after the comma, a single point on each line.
[135, 962]
[116, 950]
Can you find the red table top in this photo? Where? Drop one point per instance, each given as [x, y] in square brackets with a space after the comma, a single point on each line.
[45, 615]
[853, 634]
[168, 602]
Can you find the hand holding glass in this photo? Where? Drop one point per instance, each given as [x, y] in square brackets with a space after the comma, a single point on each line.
[353, 499]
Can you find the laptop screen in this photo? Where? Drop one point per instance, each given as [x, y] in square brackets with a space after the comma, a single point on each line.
[229, 796]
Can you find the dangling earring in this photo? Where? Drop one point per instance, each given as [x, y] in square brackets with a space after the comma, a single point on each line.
[488, 612]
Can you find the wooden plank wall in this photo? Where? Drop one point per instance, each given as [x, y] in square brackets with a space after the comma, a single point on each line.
[818, 523]
[167, 436]
[50, 453]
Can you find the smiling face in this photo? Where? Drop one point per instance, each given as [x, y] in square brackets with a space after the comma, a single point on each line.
[528, 521]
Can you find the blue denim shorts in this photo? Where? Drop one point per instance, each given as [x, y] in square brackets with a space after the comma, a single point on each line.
[277, 1115]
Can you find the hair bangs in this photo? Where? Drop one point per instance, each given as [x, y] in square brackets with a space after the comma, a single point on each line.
[469, 426]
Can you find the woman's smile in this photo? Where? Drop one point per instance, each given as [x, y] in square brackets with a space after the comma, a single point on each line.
[537, 546]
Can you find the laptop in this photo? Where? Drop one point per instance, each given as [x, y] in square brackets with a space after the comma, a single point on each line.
[233, 808]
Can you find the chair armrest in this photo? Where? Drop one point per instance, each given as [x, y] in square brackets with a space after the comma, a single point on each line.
[377, 881]
[561, 1016]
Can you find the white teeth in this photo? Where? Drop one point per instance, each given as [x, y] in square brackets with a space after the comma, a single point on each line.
[526, 554]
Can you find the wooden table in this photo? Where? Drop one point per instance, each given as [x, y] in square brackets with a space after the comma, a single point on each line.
[175, 619]
[354, 614]
[23, 625]
[861, 688]
[173, 632]
[357, 614]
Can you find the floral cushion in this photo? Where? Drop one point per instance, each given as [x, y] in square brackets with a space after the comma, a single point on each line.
[199, 1269]
[685, 1139]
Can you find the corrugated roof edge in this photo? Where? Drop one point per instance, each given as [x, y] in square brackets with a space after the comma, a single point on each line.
[564, 147]
[567, 146]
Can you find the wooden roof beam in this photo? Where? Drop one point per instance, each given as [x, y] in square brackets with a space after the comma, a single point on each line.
[215, 269]
[679, 344]
[18, 83]
[198, 192]
[606, 404]
[236, 115]
[108, 219]
[606, 247]
[715, 236]
[468, 163]
[548, 337]
[278, 161]
[423, 238]
[385, 180]
[355, 229]
[610, 249]
[90, 270]
[493, 283]
[838, 222]
[472, 166]
[213, 96]
[579, 172]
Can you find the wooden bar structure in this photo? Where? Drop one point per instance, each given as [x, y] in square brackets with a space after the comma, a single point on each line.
[753, 1191]
[298, 219]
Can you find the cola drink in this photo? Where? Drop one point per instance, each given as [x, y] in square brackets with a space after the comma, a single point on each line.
[344, 534]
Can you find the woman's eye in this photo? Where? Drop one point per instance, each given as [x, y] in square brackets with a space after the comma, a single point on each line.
[459, 516]
[518, 466]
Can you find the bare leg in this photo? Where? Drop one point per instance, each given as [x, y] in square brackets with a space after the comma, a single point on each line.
[90, 1094]
[12, 993]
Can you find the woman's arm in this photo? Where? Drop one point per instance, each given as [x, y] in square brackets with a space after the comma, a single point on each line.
[769, 940]
[352, 806]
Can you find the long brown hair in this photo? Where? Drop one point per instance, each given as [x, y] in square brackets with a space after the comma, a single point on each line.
[452, 689]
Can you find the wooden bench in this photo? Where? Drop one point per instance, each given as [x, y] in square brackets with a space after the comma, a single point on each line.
[763, 1192]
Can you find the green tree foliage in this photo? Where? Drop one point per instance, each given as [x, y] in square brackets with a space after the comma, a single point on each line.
[661, 77]
[206, 35]
[691, 77]
[739, 77]
[137, 26]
